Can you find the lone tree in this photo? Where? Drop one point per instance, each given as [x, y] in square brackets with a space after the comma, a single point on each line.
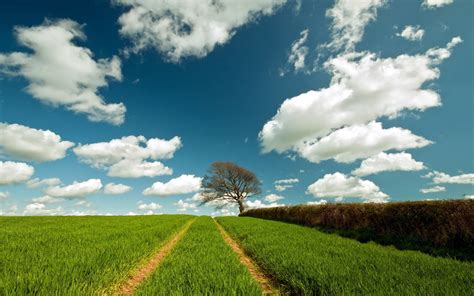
[227, 182]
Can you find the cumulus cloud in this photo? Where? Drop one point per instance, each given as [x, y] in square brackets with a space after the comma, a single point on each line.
[298, 52]
[436, 3]
[73, 77]
[25, 143]
[148, 207]
[317, 202]
[36, 182]
[46, 199]
[443, 178]
[360, 141]
[412, 33]
[76, 189]
[14, 172]
[39, 209]
[256, 204]
[384, 162]
[341, 186]
[127, 157]
[282, 185]
[438, 54]
[433, 189]
[4, 195]
[224, 212]
[180, 29]
[180, 185]
[273, 197]
[184, 206]
[364, 87]
[349, 19]
[112, 188]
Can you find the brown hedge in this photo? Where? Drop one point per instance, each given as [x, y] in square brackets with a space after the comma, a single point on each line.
[442, 225]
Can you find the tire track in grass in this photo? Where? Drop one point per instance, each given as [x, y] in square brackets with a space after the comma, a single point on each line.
[148, 267]
[266, 283]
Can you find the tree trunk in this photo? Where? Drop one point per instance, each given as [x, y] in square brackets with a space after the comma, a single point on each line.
[241, 206]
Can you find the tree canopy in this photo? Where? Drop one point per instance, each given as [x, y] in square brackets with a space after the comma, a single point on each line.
[227, 183]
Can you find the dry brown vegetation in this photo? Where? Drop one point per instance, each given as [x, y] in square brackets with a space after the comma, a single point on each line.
[437, 227]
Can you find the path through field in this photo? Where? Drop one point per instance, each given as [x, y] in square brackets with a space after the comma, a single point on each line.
[144, 271]
[265, 282]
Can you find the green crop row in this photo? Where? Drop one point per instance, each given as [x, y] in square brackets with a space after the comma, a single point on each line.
[76, 255]
[201, 264]
[308, 262]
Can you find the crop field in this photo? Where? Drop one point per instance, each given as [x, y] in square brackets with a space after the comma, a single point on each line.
[202, 263]
[308, 262]
[97, 255]
[76, 255]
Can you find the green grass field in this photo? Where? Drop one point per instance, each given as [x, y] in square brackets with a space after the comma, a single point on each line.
[201, 264]
[308, 262]
[95, 255]
[76, 255]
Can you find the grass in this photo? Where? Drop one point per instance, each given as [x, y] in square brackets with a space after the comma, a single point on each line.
[76, 255]
[201, 264]
[308, 262]
[442, 228]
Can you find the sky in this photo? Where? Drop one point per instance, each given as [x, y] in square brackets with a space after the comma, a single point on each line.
[119, 107]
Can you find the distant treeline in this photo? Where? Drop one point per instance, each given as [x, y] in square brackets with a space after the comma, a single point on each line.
[444, 228]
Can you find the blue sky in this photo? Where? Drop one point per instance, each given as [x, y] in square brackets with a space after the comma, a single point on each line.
[381, 87]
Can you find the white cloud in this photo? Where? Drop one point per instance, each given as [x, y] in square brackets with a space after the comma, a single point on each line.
[436, 3]
[126, 157]
[180, 185]
[27, 143]
[4, 195]
[76, 189]
[469, 197]
[180, 29]
[342, 186]
[273, 197]
[438, 54]
[443, 178]
[384, 162]
[83, 203]
[39, 209]
[46, 199]
[412, 33]
[433, 189]
[364, 87]
[360, 141]
[14, 172]
[184, 206]
[131, 168]
[287, 181]
[256, 204]
[73, 77]
[11, 211]
[150, 206]
[298, 52]
[224, 212]
[349, 19]
[318, 202]
[282, 185]
[112, 188]
[36, 182]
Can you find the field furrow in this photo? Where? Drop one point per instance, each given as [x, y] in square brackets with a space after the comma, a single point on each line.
[201, 264]
[308, 262]
[137, 277]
